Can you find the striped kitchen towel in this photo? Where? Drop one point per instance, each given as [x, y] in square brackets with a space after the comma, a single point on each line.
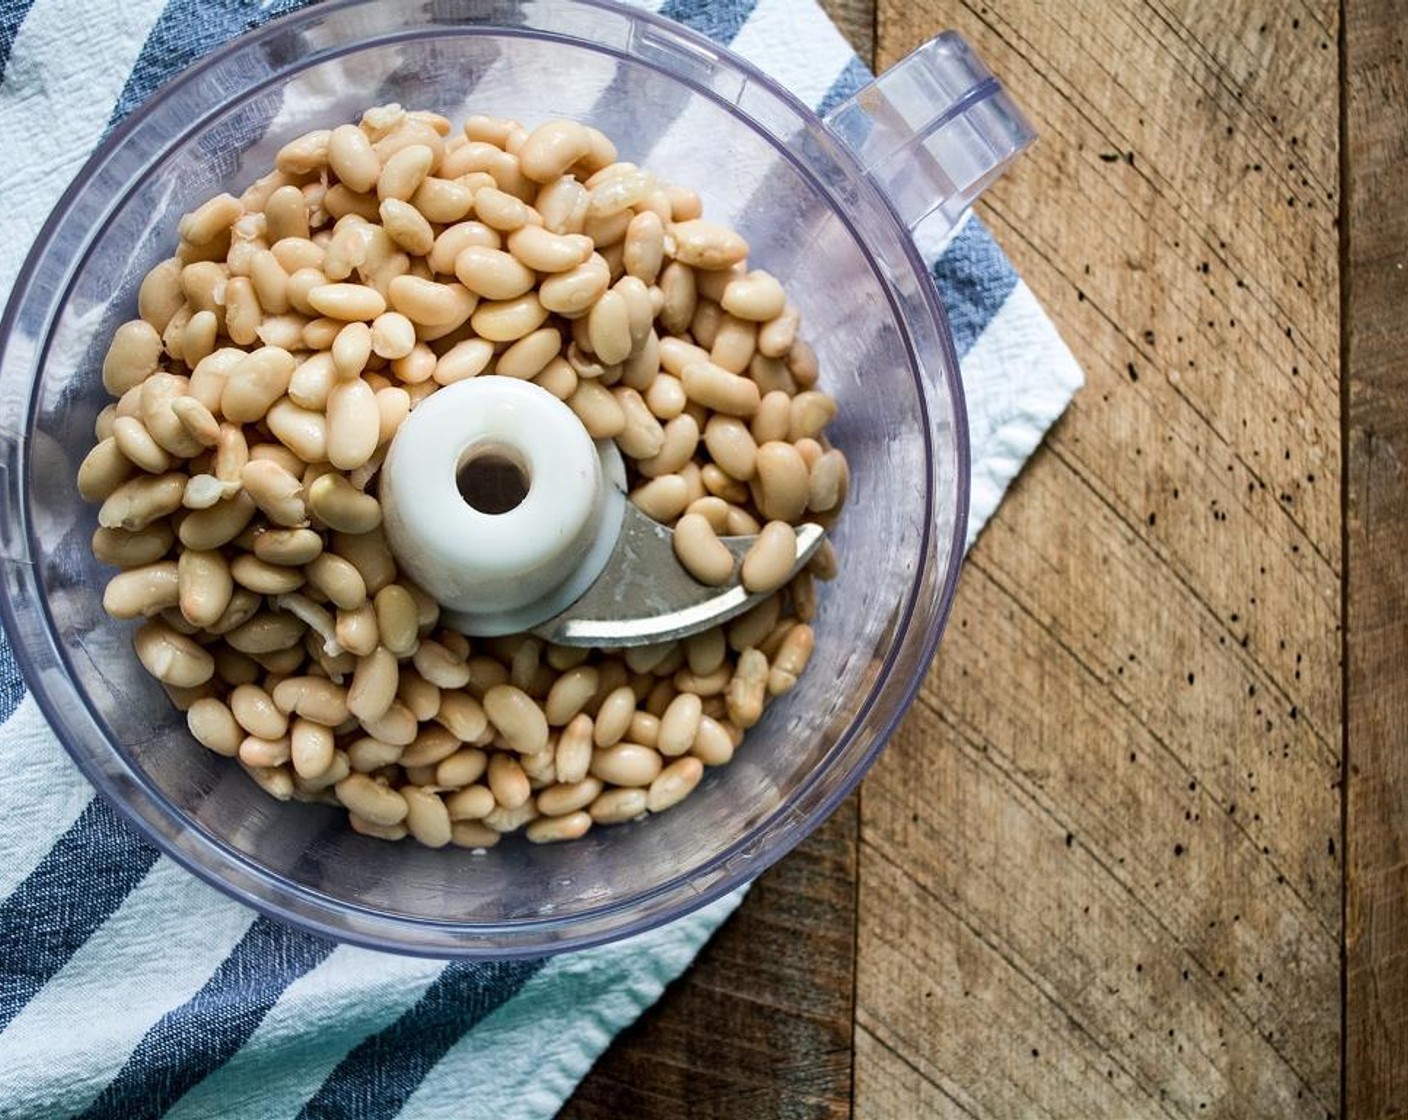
[128, 988]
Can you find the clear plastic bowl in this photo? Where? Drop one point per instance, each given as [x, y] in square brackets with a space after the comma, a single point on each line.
[813, 215]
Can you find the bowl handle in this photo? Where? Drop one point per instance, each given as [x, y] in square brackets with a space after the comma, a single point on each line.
[933, 132]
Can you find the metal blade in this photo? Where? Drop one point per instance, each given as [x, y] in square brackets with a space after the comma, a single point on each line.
[645, 596]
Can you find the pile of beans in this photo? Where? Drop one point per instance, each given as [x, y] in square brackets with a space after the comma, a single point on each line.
[274, 358]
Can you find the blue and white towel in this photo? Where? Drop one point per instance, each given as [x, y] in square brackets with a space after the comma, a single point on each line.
[129, 989]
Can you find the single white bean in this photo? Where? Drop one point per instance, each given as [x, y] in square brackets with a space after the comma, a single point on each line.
[770, 559]
[679, 726]
[520, 721]
[674, 783]
[626, 764]
[347, 302]
[705, 245]
[353, 423]
[171, 657]
[701, 552]
[371, 800]
[784, 483]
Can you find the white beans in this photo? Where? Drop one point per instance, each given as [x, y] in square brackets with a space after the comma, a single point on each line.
[404, 171]
[626, 764]
[757, 297]
[518, 718]
[277, 493]
[501, 210]
[706, 245]
[371, 800]
[552, 830]
[574, 749]
[276, 355]
[701, 552]
[828, 482]
[769, 561]
[574, 291]
[673, 784]
[617, 806]
[103, 469]
[314, 698]
[609, 328]
[542, 250]
[302, 430]
[340, 506]
[132, 356]
[373, 687]
[354, 424]
[427, 303]
[347, 301]
[613, 718]
[492, 273]
[213, 726]
[351, 158]
[144, 591]
[552, 148]
[170, 657]
[351, 350]
[507, 781]
[569, 797]
[678, 448]
[392, 335]
[212, 218]
[663, 498]
[426, 817]
[454, 240]
[510, 319]
[255, 710]
[255, 383]
[783, 481]
[600, 412]
[747, 689]
[680, 724]
[731, 446]
[645, 247]
[527, 357]
[205, 586]
[717, 388]
[135, 504]
[570, 694]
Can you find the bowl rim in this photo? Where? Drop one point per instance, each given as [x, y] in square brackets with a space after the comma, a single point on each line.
[773, 836]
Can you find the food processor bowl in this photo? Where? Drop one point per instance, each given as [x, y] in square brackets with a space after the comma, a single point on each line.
[829, 207]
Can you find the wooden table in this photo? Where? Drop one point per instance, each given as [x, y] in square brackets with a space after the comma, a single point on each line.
[1138, 850]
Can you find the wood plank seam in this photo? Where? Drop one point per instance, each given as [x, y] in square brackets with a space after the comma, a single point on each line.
[1373, 250]
[1346, 480]
[870, 1031]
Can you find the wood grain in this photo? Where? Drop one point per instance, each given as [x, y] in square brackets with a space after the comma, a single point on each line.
[1376, 338]
[761, 1024]
[1100, 866]
[856, 19]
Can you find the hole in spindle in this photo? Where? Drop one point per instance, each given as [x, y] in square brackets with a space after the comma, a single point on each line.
[492, 481]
